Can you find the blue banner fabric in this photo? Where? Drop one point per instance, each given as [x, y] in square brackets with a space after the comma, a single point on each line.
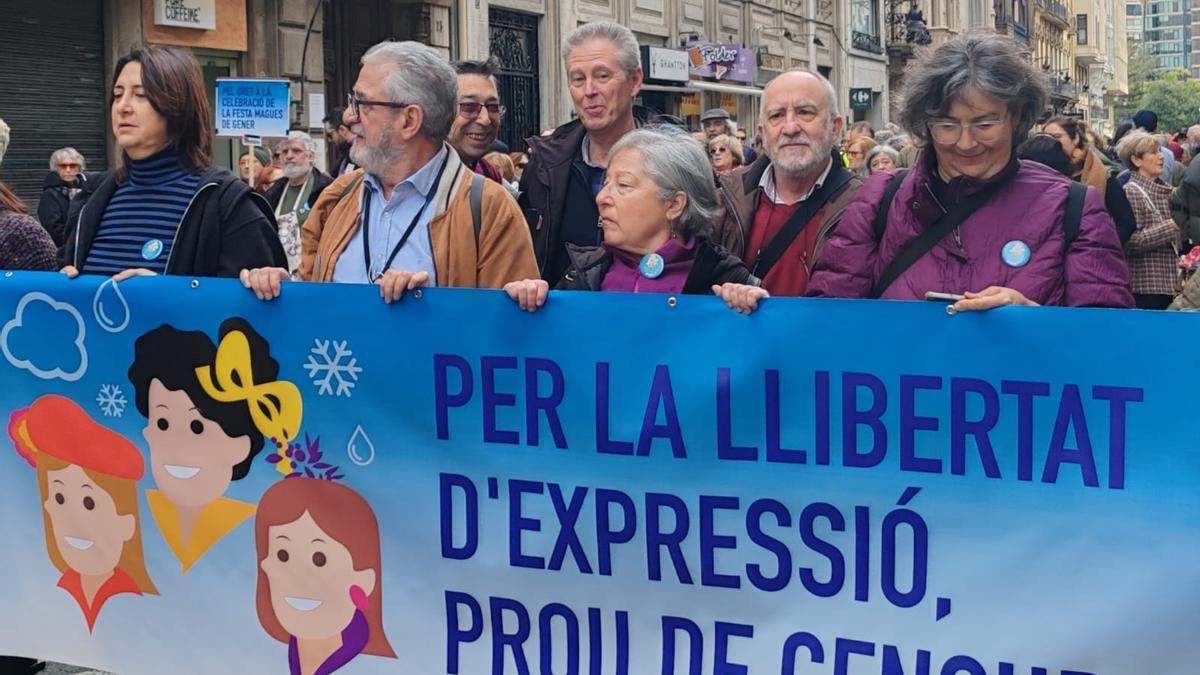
[200, 482]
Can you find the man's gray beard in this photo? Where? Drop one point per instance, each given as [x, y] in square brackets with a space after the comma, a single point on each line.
[821, 151]
[375, 160]
[294, 171]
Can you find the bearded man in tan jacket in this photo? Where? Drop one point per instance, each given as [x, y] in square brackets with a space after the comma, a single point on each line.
[413, 215]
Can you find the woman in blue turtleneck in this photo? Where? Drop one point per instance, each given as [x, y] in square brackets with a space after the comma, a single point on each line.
[167, 210]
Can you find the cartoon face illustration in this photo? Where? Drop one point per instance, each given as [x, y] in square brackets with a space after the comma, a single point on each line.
[87, 528]
[310, 576]
[192, 459]
[87, 477]
[320, 584]
[209, 409]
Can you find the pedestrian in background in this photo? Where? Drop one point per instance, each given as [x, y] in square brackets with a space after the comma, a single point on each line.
[726, 154]
[881, 158]
[59, 187]
[1153, 250]
[166, 209]
[24, 245]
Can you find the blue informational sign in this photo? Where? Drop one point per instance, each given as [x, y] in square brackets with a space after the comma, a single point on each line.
[252, 107]
[196, 481]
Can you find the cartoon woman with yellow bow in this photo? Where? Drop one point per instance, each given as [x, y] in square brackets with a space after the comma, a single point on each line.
[209, 411]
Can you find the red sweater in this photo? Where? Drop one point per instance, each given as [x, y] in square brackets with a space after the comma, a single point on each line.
[789, 276]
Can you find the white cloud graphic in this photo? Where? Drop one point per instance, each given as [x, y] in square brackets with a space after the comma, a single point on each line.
[26, 364]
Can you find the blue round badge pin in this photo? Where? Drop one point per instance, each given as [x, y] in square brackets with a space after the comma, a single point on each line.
[652, 266]
[152, 249]
[1015, 253]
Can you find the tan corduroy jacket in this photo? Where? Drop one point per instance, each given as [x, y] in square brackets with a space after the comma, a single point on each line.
[504, 253]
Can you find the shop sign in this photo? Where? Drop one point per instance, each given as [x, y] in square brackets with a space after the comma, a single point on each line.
[721, 61]
[667, 65]
[860, 99]
[201, 14]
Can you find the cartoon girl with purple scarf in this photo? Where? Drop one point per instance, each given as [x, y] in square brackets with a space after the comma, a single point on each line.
[320, 584]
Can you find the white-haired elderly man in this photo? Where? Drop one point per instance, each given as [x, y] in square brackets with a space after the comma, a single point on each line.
[413, 214]
[293, 197]
[304, 181]
[60, 186]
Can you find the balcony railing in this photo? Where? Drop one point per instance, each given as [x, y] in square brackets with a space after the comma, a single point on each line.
[866, 42]
[1056, 8]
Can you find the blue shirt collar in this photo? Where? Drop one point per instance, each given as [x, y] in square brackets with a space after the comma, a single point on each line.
[421, 181]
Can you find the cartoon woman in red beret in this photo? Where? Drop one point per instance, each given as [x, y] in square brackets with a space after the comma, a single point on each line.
[87, 475]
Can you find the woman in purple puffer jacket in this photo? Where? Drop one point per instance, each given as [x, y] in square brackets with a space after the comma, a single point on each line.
[1007, 239]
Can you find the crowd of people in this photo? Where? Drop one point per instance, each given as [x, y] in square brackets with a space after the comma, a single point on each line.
[973, 194]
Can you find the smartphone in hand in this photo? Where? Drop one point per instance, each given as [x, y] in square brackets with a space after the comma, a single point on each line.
[934, 296]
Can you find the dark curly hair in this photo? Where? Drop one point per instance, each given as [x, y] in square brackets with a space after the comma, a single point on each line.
[978, 60]
[172, 356]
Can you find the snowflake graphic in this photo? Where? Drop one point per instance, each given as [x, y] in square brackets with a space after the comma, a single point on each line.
[111, 400]
[324, 368]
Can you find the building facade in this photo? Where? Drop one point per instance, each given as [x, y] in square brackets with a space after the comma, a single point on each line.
[1167, 33]
[1101, 60]
[61, 54]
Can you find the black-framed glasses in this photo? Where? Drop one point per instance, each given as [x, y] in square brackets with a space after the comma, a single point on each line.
[354, 103]
[471, 109]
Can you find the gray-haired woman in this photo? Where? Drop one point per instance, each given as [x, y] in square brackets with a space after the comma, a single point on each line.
[655, 209]
[882, 157]
[60, 186]
[969, 218]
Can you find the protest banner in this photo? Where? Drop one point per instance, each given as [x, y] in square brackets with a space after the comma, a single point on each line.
[614, 484]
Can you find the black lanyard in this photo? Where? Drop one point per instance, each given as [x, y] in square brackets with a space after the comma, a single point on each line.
[366, 225]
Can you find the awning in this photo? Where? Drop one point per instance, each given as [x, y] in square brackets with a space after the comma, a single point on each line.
[682, 89]
[725, 88]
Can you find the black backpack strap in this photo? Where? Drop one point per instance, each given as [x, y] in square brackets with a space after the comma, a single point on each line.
[350, 188]
[477, 204]
[1073, 214]
[889, 194]
[835, 182]
[930, 236]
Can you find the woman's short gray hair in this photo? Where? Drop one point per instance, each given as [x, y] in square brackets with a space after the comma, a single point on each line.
[1136, 144]
[979, 60]
[676, 162]
[628, 54]
[63, 154]
[422, 77]
[881, 149]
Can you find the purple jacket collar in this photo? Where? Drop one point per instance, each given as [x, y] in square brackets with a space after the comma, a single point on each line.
[934, 196]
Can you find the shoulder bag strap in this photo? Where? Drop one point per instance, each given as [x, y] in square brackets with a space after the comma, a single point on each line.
[837, 180]
[929, 237]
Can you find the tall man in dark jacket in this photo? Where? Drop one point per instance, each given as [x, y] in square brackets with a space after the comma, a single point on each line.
[566, 171]
[780, 210]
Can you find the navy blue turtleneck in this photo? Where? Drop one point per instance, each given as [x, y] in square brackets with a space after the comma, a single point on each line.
[141, 219]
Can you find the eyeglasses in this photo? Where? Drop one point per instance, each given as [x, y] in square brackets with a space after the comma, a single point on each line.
[717, 150]
[68, 165]
[471, 109]
[985, 131]
[354, 103]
